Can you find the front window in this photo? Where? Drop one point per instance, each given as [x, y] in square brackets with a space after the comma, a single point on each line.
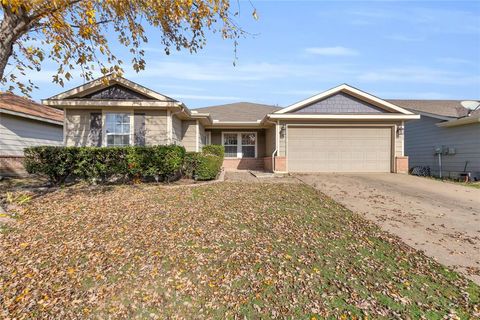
[240, 144]
[248, 145]
[230, 143]
[118, 129]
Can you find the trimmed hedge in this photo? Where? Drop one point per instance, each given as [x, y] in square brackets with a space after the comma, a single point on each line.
[57, 163]
[205, 165]
[215, 149]
[102, 164]
[208, 167]
[190, 164]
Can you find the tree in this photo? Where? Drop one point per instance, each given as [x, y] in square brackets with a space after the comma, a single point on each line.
[73, 33]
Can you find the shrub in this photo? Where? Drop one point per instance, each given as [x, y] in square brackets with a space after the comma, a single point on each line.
[204, 165]
[163, 163]
[102, 164]
[215, 149]
[57, 163]
[208, 166]
[97, 164]
[190, 164]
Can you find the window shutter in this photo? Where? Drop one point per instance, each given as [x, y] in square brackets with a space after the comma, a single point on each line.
[95, 134]
[139, 129]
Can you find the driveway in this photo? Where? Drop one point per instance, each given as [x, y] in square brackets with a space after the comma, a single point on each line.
[440, 218]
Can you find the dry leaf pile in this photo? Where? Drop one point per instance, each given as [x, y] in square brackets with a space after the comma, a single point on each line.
[228, 250]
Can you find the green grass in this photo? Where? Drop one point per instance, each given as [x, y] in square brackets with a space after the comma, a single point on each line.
[228, 250]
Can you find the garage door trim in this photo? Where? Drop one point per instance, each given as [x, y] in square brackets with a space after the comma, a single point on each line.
[393, 131]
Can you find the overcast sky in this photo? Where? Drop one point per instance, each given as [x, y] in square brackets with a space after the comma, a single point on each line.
[426, 50]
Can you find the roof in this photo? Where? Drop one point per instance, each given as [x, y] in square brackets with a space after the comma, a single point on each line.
[446, 108]
[29, 108]
[239, 111]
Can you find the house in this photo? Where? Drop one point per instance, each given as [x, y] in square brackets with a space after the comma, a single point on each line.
[447, 136]
[340, 130]
[24, 123]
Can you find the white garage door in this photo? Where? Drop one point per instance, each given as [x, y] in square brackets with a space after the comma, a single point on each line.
[339, 149]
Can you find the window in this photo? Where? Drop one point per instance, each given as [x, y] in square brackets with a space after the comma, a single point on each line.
[240, 144]
[118, 129]
[230, 143]
[248, 145]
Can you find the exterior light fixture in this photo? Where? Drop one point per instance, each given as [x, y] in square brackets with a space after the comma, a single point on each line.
[400, 130]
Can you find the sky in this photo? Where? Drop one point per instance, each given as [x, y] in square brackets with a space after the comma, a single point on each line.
[410, 50]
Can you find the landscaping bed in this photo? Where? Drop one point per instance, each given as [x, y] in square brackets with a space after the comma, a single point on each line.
[215, 251]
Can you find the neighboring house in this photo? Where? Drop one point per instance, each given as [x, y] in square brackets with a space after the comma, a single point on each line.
[24, 123]
[340, 130]
[446, 130]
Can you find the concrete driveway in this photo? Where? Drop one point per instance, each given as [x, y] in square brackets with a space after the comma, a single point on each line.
[440, 218]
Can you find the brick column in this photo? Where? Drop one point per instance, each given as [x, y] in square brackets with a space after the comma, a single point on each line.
[281, 164]
[401, 164]
[12, 166]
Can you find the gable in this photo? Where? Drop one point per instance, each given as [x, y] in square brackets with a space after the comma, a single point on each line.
[116, 92]
[340, 103]
[111, 88]
[353, 100]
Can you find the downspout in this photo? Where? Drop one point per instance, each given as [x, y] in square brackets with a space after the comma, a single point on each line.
[276, 145]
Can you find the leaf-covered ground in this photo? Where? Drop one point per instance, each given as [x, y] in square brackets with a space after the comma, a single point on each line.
[227, 250]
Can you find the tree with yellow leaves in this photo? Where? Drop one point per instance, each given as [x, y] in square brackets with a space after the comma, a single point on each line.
[73, 33]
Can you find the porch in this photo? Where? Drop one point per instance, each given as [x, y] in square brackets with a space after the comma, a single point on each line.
[246, 149]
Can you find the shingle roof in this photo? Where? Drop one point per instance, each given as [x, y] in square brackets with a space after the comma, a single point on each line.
[9, 101]
[239, 111]
[446, 108]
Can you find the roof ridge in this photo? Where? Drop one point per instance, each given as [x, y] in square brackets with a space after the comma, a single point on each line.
[240, 102]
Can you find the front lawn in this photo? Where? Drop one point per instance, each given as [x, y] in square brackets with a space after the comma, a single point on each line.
[226, 250]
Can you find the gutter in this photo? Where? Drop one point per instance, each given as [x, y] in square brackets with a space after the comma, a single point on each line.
[24, 115]
[196, 115]
[79, 103]
[236, 124]
[460, 121]
[344, 116]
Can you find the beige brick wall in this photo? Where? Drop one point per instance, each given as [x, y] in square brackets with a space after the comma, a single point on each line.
[12, 166]
[189, 135]
[176, 130]
[155, 127]
[77, 126]
[201, 136]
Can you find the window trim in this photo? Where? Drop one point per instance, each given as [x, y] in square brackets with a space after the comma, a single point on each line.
[104, 125]
[239, 143]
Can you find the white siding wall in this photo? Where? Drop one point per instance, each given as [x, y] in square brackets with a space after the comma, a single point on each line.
[17, 133]
[421, 136]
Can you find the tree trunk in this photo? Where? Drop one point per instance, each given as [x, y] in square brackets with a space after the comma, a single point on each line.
[12, 27]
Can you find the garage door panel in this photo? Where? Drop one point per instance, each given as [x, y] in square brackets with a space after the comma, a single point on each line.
[334, 149]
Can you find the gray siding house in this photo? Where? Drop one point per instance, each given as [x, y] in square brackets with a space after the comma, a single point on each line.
[339, 130]
[446, 138]
[24, 123]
